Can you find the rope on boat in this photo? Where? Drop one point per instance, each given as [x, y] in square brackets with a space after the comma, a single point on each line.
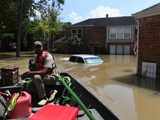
[66, 82]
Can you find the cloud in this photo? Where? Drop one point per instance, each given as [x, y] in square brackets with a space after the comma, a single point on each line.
[101, 11]
[74, 17]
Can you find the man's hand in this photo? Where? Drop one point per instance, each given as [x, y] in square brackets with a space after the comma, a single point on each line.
[28, 73]
[32, 73]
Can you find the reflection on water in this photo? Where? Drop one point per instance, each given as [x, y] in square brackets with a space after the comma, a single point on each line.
[143, 82]
[123, 97]
[114, 83]
[148, 83]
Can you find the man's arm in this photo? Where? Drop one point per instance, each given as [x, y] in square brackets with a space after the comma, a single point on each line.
[40, 72]
[48, 67]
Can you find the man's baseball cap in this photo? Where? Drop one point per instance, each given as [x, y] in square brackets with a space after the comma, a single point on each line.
[38, 43]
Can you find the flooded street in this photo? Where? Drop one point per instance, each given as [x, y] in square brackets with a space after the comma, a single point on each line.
[115, 85]
[119, 78]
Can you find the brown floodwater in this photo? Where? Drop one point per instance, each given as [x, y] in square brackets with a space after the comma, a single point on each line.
[114, 83]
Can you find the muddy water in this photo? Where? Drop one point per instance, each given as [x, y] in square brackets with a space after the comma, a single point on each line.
[114, 83]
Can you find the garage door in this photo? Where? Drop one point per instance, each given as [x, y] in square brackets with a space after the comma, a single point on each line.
[126, 49]
[112, 49]
[119, 49]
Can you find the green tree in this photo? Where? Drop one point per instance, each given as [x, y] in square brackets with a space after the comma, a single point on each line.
[48, 24]
[54, 26]
[15, 16]
[8, 16]
[46, 28]
[39, 29]
[27, 11]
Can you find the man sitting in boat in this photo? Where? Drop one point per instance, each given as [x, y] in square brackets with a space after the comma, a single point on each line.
[41, 70]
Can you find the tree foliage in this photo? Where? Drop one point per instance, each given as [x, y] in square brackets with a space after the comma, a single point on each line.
[47, 24]
[16, 17]
[7, 16]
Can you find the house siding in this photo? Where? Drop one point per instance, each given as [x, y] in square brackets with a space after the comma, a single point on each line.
[119, 39]
[93, 40]
[96, 38]
[149, 42]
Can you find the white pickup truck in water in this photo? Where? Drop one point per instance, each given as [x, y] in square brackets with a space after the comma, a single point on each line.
[86, 59]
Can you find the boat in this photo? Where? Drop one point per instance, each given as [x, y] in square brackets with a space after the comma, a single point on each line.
[86, 101]
[90, 100]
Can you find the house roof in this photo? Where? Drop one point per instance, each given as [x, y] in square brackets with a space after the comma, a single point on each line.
[151, 11]
[127, 20]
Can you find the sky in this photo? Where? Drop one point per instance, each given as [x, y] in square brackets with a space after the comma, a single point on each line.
[78, 10]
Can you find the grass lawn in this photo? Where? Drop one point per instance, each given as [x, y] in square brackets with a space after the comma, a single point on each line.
[8, 58]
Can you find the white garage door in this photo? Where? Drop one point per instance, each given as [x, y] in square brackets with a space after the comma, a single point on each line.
[119, 49]
[112, 49]
[126, 49]
[149, 69]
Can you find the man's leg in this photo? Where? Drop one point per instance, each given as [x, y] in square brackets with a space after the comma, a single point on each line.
[38, 82]
[50, 80]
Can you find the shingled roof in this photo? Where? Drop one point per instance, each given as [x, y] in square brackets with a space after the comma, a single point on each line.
[127, 20]
[151, 11]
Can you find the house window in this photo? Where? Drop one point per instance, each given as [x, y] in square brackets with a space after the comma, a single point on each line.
[79, 36]
[119, 35]
[79, 33]
[112, 36]
[149, 69]
[73, 31]
[76, 36]
[127, 35]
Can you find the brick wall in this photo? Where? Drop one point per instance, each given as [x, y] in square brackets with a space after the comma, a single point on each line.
[149, 41]
[95, 37]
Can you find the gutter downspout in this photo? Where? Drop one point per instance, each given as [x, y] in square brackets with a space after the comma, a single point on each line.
[107, 35]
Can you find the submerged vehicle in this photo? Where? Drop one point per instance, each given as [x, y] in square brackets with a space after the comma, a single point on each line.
[86, 59]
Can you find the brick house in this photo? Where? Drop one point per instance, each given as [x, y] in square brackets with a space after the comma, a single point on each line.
[88, 36]
[111, 35]
[149, 42]
[120, 35]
